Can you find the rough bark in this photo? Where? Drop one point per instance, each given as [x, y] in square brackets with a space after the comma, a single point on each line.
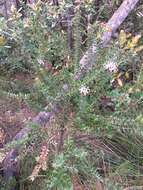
[5, 7]
[85, 65]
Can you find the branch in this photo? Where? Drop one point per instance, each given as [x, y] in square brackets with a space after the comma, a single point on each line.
[89, 58]
[10, 162]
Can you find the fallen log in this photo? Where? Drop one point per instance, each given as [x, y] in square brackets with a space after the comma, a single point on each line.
[86, 64]
[10, 161]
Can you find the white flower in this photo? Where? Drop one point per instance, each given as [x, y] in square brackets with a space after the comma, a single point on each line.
[84, 90]
[40, 61]
[111, 66]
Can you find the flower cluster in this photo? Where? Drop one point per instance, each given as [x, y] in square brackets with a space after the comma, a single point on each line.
[84, 90]
[111, 66]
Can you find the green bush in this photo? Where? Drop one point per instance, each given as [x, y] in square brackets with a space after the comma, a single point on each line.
[106, 104]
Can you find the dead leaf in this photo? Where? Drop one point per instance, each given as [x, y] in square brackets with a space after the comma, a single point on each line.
[120, 82]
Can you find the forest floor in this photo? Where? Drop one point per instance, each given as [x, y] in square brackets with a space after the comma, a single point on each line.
[14, 113]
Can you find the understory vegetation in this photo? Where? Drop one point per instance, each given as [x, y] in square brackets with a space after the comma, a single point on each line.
[94, 138]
